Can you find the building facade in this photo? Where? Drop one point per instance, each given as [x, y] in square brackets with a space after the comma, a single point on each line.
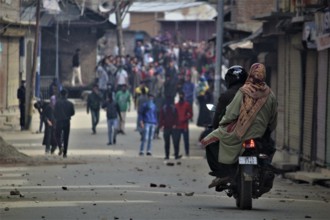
[16, 49]
[293, 41]
[299, 68]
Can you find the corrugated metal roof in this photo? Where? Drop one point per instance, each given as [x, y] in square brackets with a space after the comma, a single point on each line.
[28, 14]
[161, 6]
[245, 27]
[245, 43]
[69, 12]
[203, 12]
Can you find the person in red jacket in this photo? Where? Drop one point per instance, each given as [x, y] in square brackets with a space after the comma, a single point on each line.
[184, 114]
[167, 122]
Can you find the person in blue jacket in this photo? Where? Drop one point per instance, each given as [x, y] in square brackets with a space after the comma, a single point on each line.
[148, 122]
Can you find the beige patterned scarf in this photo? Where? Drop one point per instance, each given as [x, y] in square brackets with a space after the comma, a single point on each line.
[255, 93]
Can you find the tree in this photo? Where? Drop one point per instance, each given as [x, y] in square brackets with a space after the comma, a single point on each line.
[121, 8]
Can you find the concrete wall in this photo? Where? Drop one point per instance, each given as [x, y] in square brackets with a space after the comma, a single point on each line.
[3, 72]
[190, 30]
[129, 40]
[69, 40]
[10, 11]
[145, 22]
[9, 71]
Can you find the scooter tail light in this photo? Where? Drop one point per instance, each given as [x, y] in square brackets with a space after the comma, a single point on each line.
[249, 144]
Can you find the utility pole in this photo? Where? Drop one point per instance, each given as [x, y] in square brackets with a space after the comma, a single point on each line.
[119, 21]
[30, 85]
[219, 43]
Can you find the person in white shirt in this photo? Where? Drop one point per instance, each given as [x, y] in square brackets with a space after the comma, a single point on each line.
[121, 78]
[76, 69]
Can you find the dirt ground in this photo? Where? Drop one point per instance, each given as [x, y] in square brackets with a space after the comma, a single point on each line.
[9, 154]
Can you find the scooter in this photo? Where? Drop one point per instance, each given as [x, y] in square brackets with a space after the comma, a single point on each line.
[254, 174]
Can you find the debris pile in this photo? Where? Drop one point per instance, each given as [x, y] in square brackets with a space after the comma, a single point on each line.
[9, 154]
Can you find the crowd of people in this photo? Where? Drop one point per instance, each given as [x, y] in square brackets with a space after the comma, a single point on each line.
[161, 82]
[159, 78]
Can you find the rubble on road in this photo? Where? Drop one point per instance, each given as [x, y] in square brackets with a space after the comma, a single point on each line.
[9, 154]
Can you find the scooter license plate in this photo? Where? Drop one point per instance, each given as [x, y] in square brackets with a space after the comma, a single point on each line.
[247, 160]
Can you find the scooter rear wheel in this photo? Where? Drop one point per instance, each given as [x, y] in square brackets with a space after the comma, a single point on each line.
[244, 200]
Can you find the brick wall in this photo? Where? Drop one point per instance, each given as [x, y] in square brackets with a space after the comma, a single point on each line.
[244, 10]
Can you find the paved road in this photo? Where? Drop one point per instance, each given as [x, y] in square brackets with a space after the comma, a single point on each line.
[105, 182]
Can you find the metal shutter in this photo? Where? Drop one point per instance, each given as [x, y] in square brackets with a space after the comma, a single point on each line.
[321, 106]
[309, 104]
[280, 94]
[294, 102]
[328, 115]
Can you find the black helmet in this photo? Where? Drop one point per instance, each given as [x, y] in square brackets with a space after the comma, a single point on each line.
[235, 74]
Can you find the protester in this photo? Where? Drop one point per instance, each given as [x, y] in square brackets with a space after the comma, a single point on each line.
[143, 98]
[139, 51]
[63, 111]
[49, 139]
[148, 121]
[102, 78]
[171, 80]
[111, 70]
[184, 114]
[194, 75]
[189, 90]
[21, 99]
[54, 87]
[40, 105]
[113, 112]
[121, 78]
[123, 98]
[167, 123]
[204, 117]
[94, 101]
[138, 93]
[76, 69]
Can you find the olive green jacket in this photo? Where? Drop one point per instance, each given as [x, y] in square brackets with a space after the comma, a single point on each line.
[230, 146]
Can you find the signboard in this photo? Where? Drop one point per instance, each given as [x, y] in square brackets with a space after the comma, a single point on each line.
[322, 21]
[14, 32]
[323, 42]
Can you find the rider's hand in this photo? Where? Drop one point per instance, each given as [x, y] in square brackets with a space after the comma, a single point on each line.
[205, 142]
